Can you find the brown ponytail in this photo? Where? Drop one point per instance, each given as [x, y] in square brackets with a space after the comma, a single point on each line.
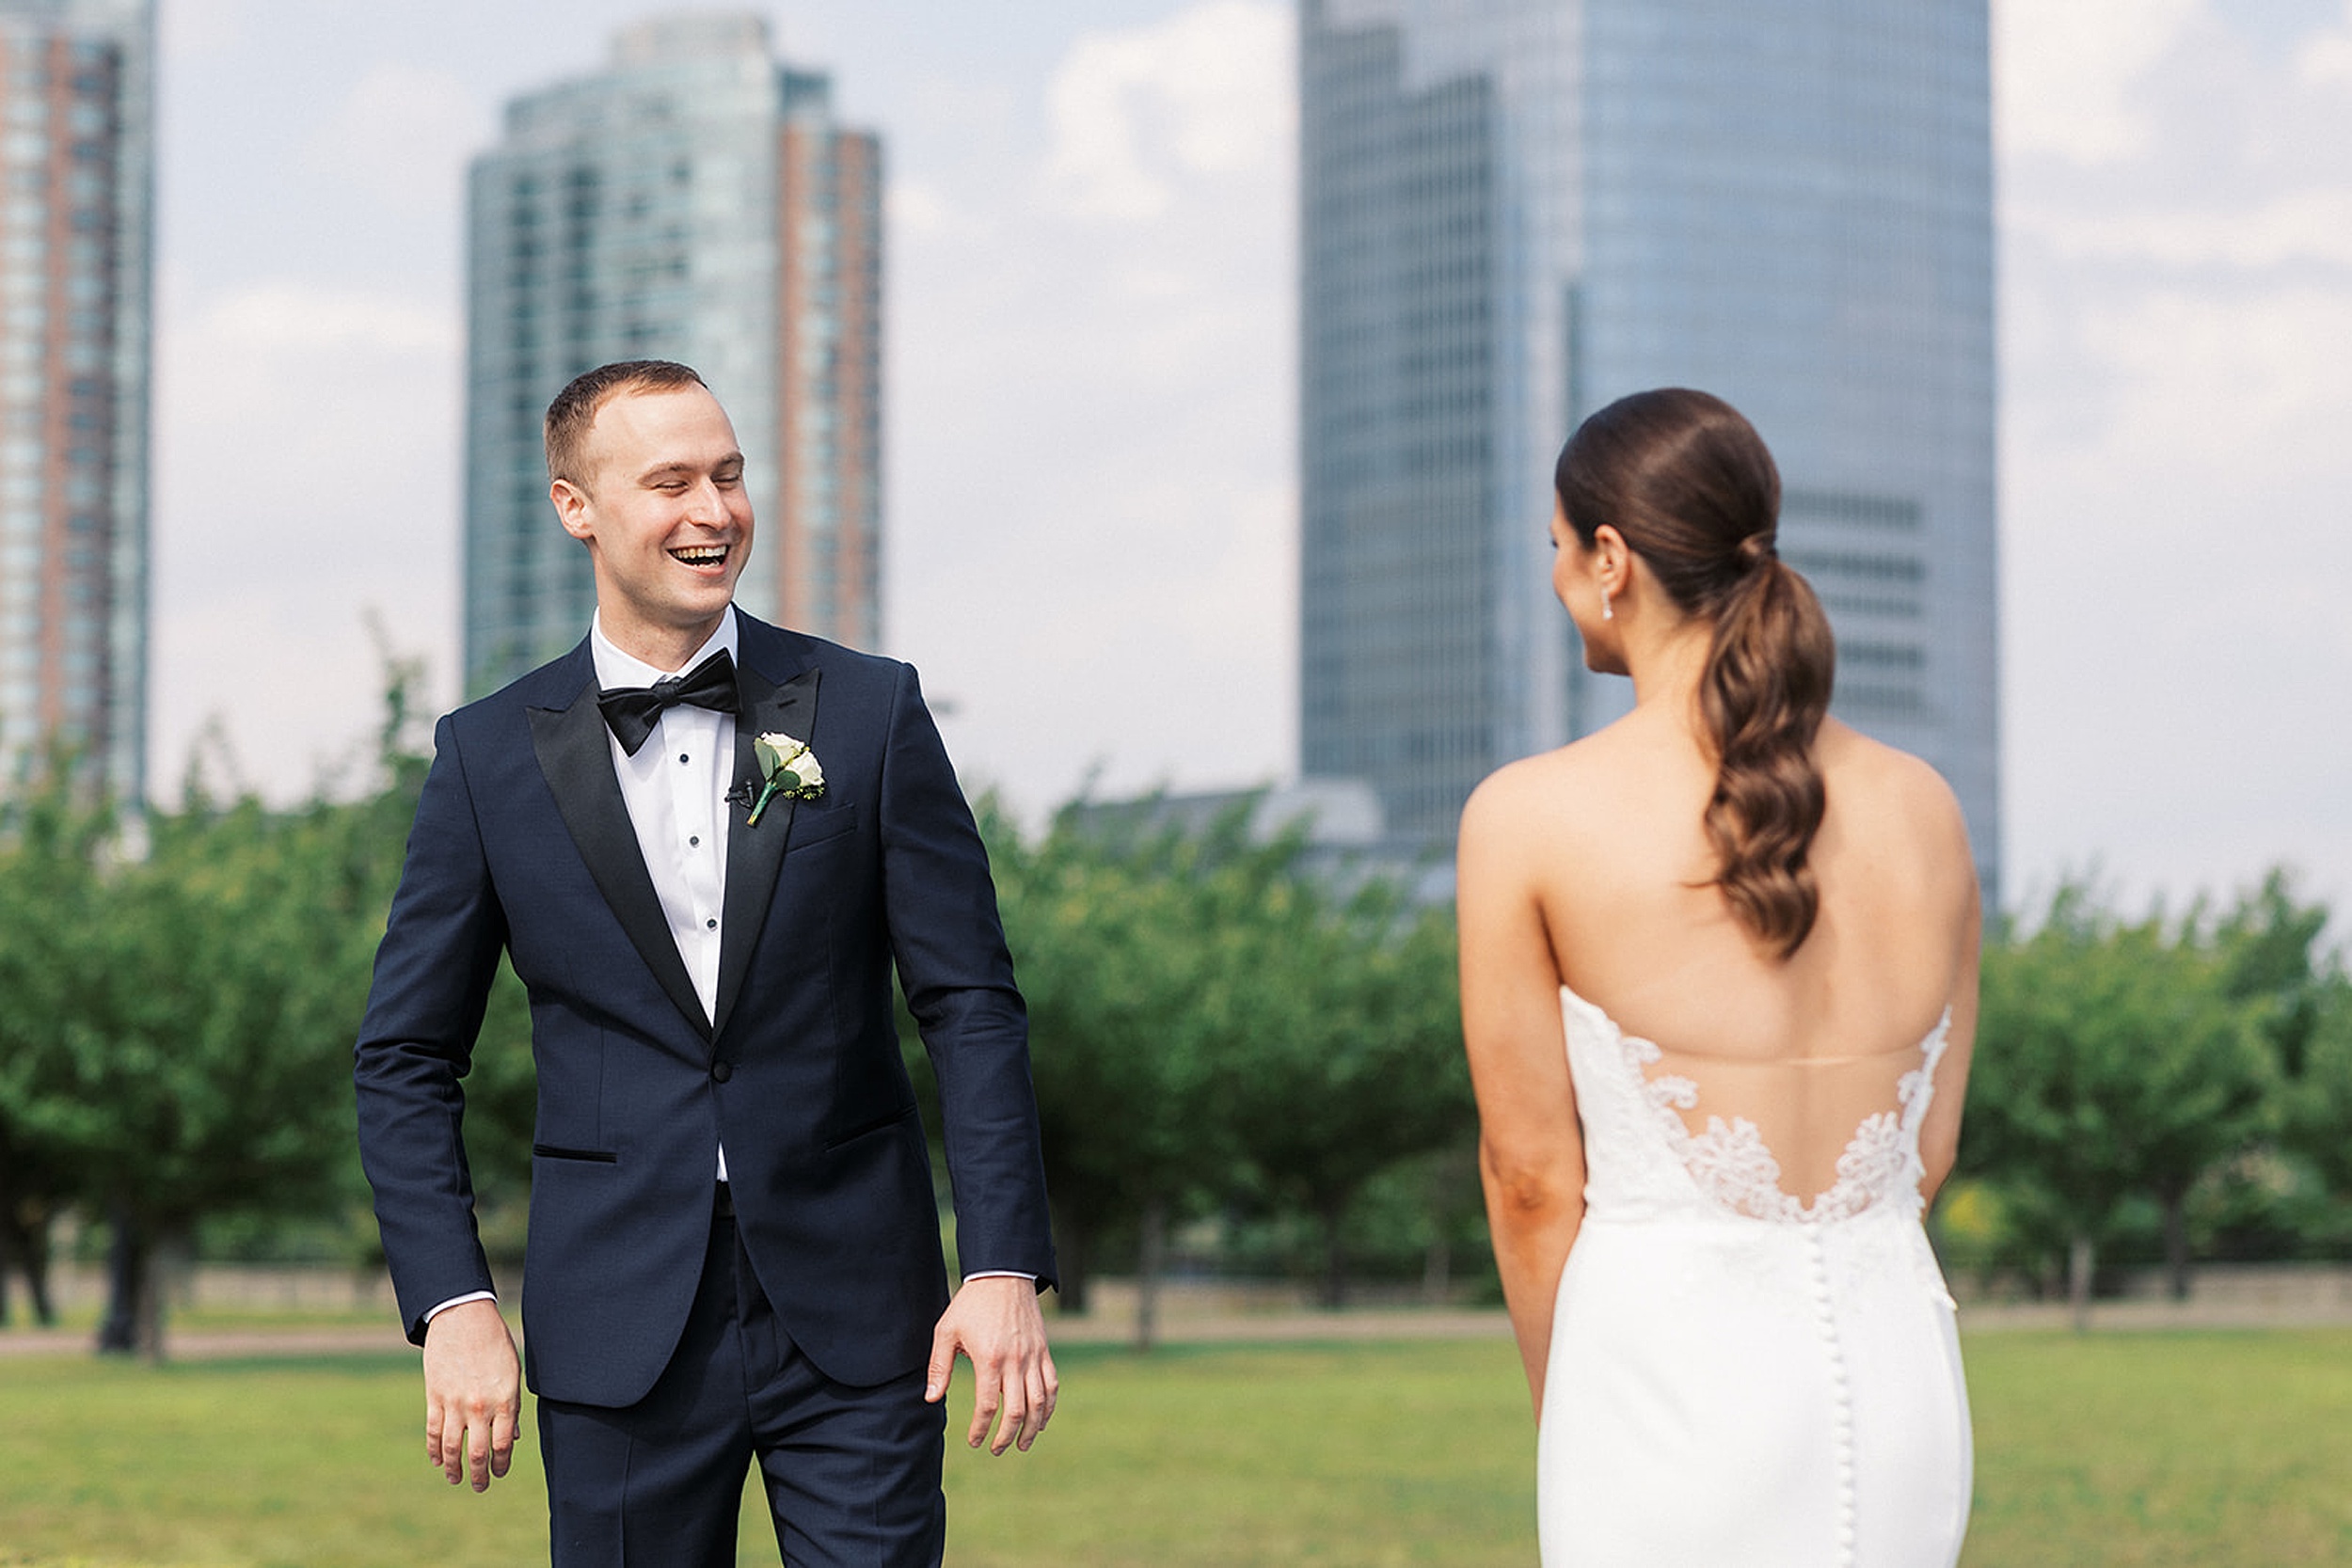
[1690, 485]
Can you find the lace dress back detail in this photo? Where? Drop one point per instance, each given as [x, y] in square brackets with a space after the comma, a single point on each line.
[1704, 1120]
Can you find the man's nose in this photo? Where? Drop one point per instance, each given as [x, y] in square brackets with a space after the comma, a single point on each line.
[706, 504]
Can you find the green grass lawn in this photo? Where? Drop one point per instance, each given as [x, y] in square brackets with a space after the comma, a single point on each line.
[2214, 1449]
[2162, 1450]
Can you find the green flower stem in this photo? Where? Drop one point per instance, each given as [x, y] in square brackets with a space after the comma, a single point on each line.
[765, 794]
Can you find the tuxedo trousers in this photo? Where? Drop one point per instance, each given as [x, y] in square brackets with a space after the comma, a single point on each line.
[851, 1474]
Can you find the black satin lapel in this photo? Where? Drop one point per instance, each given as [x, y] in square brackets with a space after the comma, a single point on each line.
[755, 853]
[577, 762]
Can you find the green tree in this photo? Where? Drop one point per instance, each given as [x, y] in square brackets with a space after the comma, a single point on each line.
[1340, 1039]
[2271, 945]
[178, 1002]
[2112, 1060]
[1212, 1016]
[2270, 953]
[50, 842]
[2319, 1113]
[32, 1193]
[1105, 935]
[222, 1057]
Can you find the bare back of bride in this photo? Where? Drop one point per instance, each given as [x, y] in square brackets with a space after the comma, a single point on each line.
[1719, 973]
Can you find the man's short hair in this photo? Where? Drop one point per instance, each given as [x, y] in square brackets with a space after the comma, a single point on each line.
[574, 407]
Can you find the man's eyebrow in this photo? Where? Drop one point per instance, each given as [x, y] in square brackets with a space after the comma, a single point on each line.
[679, 466]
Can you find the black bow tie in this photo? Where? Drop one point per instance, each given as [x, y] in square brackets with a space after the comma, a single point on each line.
[634, 710]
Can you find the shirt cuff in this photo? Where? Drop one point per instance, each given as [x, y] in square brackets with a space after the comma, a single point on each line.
[998, 1274]
[460, 1301]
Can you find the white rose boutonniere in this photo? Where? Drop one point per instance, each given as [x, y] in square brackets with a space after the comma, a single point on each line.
[790, 770]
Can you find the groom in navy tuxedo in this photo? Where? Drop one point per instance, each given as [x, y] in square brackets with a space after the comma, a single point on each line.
[734, 1248]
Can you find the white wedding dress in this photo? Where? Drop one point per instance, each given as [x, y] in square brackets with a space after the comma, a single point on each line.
[1739, 1377]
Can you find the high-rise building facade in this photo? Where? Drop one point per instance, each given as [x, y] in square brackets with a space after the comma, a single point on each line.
[76, 198]
[1514, 211]
[694, 202]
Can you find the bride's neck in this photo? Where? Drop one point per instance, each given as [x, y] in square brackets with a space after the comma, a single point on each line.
[1667, 665]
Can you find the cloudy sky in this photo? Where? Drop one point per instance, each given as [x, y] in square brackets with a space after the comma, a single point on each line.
[1093, 509]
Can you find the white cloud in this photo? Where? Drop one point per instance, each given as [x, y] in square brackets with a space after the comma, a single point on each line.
[2310, 226]
[2066, 72]
[290, 706]
[1094, 513]
[2176, 369]
[2176, 567]
[305, 477]
[1205, 92]
[2325, 58]
[918, 208]
[401, 134]
[299, 317]
[190, 29]
[2211, 377]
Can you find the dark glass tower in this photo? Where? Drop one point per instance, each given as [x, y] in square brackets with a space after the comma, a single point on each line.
[1512, 212]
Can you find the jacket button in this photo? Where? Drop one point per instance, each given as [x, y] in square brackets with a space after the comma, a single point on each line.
[722, 1071]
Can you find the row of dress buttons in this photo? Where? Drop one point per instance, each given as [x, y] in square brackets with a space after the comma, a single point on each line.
[1824, 1316]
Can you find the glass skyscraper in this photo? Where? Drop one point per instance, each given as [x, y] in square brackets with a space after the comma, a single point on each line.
[696, 201]
[1514, 211]
[76, 200]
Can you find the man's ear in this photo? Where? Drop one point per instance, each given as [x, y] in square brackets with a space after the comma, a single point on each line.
[571, 507]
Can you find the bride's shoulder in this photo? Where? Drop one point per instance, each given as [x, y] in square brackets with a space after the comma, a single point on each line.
[1893, 776]
[1893, 791]
[1526, 798]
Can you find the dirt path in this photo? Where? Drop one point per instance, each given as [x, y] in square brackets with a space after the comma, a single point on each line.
[215, 1344]
[1293, 1326]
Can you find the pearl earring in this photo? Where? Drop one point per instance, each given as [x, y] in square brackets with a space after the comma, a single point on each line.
[1607, 612]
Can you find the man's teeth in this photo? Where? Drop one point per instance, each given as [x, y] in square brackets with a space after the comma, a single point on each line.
[700, 555]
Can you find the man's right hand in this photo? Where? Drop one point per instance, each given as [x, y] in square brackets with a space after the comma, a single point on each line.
[472, 1393]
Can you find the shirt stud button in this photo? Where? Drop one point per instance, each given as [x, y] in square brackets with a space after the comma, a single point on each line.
[681, 756]
[693, 841]
[710, 925]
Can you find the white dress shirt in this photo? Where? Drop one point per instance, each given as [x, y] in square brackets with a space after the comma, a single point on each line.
[676, 790]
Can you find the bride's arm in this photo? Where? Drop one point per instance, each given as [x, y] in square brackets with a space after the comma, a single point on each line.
[1530, 1153]
[1939, 1132]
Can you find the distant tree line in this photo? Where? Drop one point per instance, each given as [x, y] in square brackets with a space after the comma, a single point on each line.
[178, 998]
[2161, 1087]
[1246, 1057]
[1232, 1030]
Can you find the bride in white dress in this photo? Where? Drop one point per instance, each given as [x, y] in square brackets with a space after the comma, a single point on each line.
[1719, 978]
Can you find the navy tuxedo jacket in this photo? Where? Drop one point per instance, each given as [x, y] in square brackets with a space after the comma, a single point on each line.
[522, 842]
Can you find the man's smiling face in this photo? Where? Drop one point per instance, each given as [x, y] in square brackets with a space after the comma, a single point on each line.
[662, 507]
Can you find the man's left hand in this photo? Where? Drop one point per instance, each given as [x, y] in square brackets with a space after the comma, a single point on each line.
[995, 1321]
